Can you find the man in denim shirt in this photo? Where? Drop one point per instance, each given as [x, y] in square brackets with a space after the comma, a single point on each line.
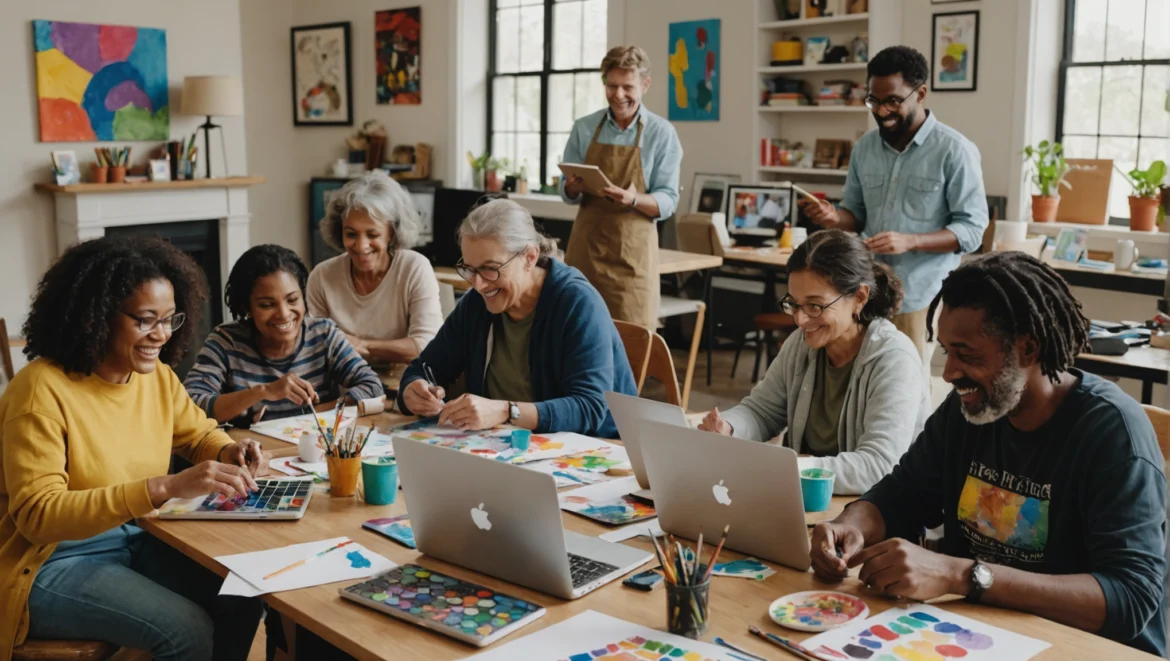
[914, 190]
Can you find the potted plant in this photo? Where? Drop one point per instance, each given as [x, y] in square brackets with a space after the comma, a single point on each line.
[492, 181]
[1147, 190]
[521, 175]
[478, 167]
[1048, 169]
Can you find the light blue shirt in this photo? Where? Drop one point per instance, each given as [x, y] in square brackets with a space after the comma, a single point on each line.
[661, 152]
[935, 184]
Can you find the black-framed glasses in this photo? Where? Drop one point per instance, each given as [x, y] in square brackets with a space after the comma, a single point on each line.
[148, 324]
[891, 103]
[810, 310]
[489, 273]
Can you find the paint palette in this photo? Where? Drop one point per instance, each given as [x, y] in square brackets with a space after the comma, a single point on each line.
[816, 610]
[467, 611]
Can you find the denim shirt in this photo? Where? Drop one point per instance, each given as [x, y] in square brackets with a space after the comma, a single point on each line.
[935, 184]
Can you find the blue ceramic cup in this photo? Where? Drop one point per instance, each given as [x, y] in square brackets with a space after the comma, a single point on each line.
[380, 480]
[816, 486]
[520, 439]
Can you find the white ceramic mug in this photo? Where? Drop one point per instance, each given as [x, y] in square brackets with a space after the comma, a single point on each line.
[799, 236]
[1124, 255]
[309, 449]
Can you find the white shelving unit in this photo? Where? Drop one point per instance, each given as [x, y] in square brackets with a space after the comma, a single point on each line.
[815, 109]
[813, 68]
[814, 22]
[815, 172]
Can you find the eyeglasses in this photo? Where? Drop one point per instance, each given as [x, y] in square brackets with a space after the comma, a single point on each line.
[489, 273]
[811, 310]
[891, 103]
[148, 324]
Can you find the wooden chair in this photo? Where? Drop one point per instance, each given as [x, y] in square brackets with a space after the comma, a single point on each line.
[637, 340]
[1160, 418]
[765, 324]
[63, 650]
[6, 350]
[661, 367]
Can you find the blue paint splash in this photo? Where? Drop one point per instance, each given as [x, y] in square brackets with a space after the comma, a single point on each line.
[357, 560]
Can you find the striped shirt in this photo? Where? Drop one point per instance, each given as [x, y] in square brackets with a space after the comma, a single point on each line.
[230, 362]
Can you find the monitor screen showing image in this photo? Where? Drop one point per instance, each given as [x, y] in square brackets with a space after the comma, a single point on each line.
[758, 209]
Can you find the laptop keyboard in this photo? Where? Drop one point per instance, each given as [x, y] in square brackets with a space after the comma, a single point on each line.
[271, 497]
[585, 571]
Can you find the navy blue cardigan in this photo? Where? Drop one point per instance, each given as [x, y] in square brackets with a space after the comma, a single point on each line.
[575, 354]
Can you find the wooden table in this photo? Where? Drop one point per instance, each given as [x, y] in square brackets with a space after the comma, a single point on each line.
[368, 634]
[772, 259]
[675, 261]
[1146, 364]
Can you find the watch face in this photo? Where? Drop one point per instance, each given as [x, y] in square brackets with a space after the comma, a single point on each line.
[982, 575]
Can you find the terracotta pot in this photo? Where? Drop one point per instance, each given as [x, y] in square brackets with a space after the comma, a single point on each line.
[1143, 213]
[492, 182]
[117, 174]
[98, 174]
[1044, 208]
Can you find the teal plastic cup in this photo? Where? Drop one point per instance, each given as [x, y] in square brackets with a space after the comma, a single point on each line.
[520, 440]
[816, 486]
[380, 480]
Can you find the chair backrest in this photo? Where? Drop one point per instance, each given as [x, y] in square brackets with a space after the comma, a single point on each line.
[1160, 418]
[661, 367]
[1033, 246]
[637, 340]
[6, 350]
[695, 234]
[446, 298]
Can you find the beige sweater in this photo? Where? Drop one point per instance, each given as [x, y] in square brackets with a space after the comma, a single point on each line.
[405, 303]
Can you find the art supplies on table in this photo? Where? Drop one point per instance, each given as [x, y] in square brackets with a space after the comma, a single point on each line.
[737, 653]
[592, 635]
[645, 581]
[923, 632]
[466, 611]
[745, 568]
[396, 528]
[688, 583]
[817, 610]
[290, 429]
[278, 499]
[294, 467]
[649, 529]
[496, 443]
[587, 467]
[608, 502]
[300, 566]
[792, 647]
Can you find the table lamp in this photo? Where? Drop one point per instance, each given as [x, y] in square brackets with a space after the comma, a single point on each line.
[221, 96]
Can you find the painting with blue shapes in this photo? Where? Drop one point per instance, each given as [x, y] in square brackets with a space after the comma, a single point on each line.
[693, 66]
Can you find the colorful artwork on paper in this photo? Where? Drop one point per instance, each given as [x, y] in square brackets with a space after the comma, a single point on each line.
[745, 568]
[637, 648]
[291, 429]
[396, 44]
[815, 610]
[496, 443]
[693, 64]
[101, 82]
[585, 467]
[397, 528]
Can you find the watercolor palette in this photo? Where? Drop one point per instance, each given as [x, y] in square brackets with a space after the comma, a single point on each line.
[816, 610]
[467, 611]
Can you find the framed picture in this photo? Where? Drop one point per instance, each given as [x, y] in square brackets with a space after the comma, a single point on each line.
[321, 73]
[396, 46]
[695, 58]
[1071, 245]
[65, 167]
[709, 191]
[954, 52]
[160, 169]
[758, 209]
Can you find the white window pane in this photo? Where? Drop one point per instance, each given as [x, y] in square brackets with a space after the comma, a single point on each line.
[1089, 31]
[532, 2]
[528, 103]
[594, 23]
[1080, 146]
[1153, 149]
[1121, 100]
[560, 102]
[508, 40]
[1082, 98]
[1155, 115]
[589, 96]
[1127, 26]
[504, 145]
[556, 148]
[1157, 29]
[504, 104]
[1123, 151]
[567, 35]
[528, 151]
[532, 38]
[507, 3]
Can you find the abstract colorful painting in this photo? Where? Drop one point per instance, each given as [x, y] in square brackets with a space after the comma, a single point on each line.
[397, 528]
[1010, 518]
[954, 55]
[496, 443]
[744, 568]
[693, 63]
[608, 502]
[322, 81]
[396, 45]
[101, 82]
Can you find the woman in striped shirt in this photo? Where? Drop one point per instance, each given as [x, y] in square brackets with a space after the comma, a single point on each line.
[273, 359]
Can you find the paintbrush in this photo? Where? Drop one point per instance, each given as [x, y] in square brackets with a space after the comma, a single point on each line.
[723, 643]
[796, 649]
[698, 562]
[715, 555]
[320, 430]
[682, 565]
[307, 560]
[663, 559]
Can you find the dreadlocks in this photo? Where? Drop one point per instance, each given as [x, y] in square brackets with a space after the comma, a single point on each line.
[1021, 296]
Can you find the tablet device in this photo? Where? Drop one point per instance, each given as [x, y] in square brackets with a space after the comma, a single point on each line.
[594, 179]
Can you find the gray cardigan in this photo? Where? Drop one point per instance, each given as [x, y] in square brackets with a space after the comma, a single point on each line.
[886, 405]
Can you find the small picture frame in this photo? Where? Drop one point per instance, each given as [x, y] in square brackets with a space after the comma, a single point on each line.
[322, 79]
[1071, 245]
[160, 169]
[954, 52]
[65, 167]
[710, 190]
[758, 210]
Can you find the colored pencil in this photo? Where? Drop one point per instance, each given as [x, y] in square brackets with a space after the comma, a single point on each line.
[698, 562]
[715, 555]
[663, 559]
[796, 649]
[682, 565]
[307, 560]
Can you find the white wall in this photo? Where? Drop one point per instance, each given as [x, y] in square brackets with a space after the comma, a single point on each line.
[202, 38]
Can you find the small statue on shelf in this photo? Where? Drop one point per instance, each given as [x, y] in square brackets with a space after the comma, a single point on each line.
[861, 47]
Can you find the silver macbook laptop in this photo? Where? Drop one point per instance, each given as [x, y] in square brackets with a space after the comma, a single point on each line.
[706, 480]
[628, 412]
[502, 520]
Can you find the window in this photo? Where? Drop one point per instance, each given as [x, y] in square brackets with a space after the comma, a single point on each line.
[1114, 78]
[542, 75]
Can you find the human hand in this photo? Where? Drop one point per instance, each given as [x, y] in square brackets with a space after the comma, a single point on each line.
[423, 399]
[900, 568]
[210, 477]
[574, 186]
[891, 243]
[473, 412]
[246, 453]
[623, 196]
[715, 422]
[832, 547]
[293, 388]
[822, 212]
[359, 345]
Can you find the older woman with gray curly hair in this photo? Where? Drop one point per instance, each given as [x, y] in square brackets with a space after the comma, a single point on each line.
[382, 294]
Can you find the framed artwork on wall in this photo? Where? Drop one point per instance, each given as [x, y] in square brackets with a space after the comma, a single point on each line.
[693, 66]
[710, 190]
[954, 52]
[396, 46]
[322, 77]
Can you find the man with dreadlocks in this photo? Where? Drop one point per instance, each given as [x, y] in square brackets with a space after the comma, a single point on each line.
[1048, 481]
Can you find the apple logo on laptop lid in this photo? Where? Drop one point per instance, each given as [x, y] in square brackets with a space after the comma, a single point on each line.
[721, 495]
[480, 517]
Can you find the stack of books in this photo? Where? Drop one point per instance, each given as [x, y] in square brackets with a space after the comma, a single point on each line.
[785, 99]
[835, 93]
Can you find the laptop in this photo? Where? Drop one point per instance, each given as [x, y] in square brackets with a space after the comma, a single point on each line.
[277, 499]
[706, 480]
[502, 520]
[628, 413]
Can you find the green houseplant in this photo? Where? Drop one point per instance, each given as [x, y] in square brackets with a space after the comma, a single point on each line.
[1147, 193]
[1048, 168]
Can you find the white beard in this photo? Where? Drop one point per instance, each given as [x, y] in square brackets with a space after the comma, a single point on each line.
[1004, 396]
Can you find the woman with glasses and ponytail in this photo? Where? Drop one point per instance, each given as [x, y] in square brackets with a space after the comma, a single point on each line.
[847, 387]
[533, 339]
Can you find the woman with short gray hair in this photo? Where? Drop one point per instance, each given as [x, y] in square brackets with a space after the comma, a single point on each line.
[382, 294]
[533, 338]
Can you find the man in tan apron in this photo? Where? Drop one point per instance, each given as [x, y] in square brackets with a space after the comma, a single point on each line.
[615, 237]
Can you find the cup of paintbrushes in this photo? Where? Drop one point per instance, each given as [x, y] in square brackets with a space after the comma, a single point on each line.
[343, 474]
[687, 607]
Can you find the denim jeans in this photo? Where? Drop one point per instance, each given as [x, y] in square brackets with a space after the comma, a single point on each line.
[127, 588]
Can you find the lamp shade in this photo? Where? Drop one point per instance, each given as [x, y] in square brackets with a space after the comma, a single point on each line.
[222, 96]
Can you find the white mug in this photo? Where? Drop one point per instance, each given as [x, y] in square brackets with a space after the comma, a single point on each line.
[340, 168]
[309, 449]
[799, 236]
[1124, 255]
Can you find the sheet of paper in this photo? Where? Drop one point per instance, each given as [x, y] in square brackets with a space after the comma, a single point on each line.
[290, 429]
[350, 562]
[496, 443]
[585, 467]
[633, 530]
[583, 636]
[608, 502]
[745, 568]
[923, 632]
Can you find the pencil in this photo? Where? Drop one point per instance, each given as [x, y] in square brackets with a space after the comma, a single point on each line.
[307, 560]
[698, 563]
[796, 649]
[715, 555]
[667, 569]
[682, 565]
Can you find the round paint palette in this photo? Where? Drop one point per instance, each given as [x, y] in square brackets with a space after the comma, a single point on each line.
[816, 610]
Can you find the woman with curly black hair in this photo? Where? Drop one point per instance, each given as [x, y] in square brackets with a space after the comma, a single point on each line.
[89, 426]
[273, 359]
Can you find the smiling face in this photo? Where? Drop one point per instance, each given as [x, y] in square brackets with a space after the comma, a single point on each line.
[277, 307]
[515, 278]
[894, 124]
[989, 380]
[623, 90]
[366, 241]
[131, 350]
[837, 320]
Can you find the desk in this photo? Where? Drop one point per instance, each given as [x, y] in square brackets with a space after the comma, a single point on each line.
[1146, 364]
[1133, 282]
[369, 635]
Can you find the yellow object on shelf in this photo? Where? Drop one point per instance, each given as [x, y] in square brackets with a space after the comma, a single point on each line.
[787, 51]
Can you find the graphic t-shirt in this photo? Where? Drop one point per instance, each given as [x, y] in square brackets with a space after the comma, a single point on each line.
[1084, 493]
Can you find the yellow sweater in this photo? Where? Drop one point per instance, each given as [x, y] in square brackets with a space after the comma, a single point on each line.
[75, 455]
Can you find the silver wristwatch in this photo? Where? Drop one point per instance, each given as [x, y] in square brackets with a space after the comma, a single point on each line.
[513, 411]
[981, 581]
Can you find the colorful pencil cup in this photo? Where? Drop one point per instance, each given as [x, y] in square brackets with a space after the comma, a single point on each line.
[687, 607]
[520, 440]
[380, 480]
[816, 486]
[343, 475]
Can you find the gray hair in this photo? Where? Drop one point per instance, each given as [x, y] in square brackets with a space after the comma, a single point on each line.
[507, 223]
[384, 199]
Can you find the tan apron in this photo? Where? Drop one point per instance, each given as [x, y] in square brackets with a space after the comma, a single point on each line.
[616, 247]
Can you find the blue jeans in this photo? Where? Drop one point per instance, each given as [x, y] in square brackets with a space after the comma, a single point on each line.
[127, 588]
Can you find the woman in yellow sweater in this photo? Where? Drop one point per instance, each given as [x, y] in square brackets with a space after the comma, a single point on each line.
[88, 430]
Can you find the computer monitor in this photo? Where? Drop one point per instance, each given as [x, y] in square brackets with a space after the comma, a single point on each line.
[451, 206]
[758, 210]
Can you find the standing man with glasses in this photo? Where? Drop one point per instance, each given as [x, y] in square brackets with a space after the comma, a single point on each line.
[914, 191]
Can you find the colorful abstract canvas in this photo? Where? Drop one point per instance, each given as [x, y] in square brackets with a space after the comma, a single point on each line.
[608, 502]
[693, 64]
[101, 82]
[396, 43]
[954, 55]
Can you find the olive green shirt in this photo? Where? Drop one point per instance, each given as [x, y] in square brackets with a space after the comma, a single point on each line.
[820, 434]
[508, 375]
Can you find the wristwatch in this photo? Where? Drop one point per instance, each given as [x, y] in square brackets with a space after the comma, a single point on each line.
[981, 581]
[513, 411]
